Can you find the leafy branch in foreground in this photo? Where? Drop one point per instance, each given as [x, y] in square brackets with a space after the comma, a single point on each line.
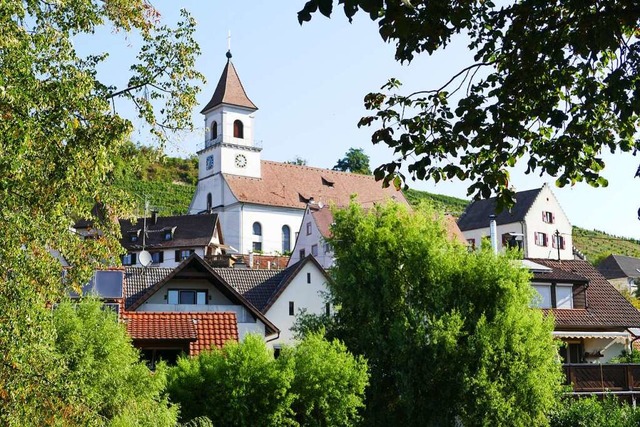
[553, 83]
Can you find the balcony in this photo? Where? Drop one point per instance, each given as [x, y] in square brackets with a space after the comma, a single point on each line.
[589, 378]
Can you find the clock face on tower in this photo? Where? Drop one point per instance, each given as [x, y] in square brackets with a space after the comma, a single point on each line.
[241, 161]
[209, 162]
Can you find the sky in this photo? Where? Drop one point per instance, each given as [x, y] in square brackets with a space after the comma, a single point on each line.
[309, 82]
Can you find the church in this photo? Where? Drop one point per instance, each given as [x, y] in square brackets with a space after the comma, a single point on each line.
[261, 203]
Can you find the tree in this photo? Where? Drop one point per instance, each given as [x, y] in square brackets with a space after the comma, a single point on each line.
[93, 376]
[355, 161]
[238, 385]
[297, 160]
[315, 383]
[553, 84]
[60, 135]
[328, 383]
[450, 336]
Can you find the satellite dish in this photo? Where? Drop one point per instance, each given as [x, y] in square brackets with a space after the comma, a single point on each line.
[145, 258]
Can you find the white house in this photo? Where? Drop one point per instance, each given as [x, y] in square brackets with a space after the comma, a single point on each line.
[621, 271]
[536, 223]
[171, 239]
[281, 295]
[261, 203]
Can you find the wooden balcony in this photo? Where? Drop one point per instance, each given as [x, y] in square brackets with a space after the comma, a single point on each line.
[588, 378]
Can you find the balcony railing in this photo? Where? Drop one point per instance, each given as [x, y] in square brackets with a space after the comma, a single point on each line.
[588, 378]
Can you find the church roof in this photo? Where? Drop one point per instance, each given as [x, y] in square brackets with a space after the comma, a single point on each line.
[294, 186]
[229, 91]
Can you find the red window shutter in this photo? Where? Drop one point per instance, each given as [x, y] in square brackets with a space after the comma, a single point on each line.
[544, 240]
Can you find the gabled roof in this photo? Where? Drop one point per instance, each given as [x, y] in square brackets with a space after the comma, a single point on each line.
[477, 213]
[606, 307]
[201, 330]
[189, 231]
[294, 186]
[263, 287]
[193, 265]
[229, 91]
[618, 266]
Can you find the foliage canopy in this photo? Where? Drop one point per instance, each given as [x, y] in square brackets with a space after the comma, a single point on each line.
[554, 83]
[448, 334]
[355, 160]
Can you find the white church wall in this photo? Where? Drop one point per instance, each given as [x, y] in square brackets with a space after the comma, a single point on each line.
[271, 219]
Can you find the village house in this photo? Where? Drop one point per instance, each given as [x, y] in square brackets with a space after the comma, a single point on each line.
[621, 271]
[261, 203]
[536, 224]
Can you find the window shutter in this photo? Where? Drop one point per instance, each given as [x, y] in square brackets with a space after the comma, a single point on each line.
[133, 259]
[553, 218]
[544, 216]
[536, 238]
[178, 256]
[544, 240]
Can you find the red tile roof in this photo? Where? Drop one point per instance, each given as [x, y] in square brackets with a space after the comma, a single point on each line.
[204, 330]
[606, 307]
[229, 91]
[288, 185]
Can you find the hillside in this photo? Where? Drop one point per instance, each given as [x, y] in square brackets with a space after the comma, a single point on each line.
[169, 183]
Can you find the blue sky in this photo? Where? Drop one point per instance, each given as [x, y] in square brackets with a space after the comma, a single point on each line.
[309, 82]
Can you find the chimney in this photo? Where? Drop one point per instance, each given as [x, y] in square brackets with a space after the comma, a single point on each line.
[154, 217]
[493, 233]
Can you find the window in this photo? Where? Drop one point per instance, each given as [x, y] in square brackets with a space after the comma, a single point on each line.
[540, 239]
[572, 353]
[187, 296]
[553, 295]
[327, 248]
[291, 308]
[133, 237]
[314, 250]
[308, 277]
[129, 259]
[168, 235]
[257, 229]
[558, 241]
[548, 217]
[257, 246]
[302, 254]
[214, 130]
[308, 228]
[238, 129]
[157, 257]
[471, 243]
[183, 254]
[209, 201]
[286, 238]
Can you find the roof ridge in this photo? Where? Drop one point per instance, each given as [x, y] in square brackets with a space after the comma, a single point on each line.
[359, 175]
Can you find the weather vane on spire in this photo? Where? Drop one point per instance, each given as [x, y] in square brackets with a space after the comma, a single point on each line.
[229, 45]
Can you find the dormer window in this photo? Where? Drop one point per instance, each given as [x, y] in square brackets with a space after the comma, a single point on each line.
[238, 129]
[327, 183]
[168, 235]
[134, 235]
[553, 295]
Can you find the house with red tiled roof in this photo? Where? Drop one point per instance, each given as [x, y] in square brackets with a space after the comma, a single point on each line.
[591, 317]
[261, 203]
[316, 229]
[186, 309]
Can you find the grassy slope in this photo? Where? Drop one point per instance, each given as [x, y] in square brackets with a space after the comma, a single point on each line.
[169, 184]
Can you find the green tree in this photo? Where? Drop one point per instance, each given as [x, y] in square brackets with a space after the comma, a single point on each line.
[328, 384]
[92, 375]
[239, 385]
[546, 75]
[355, 160]
[449, 335]
[594, 412]
[297, 160]
[60, 135]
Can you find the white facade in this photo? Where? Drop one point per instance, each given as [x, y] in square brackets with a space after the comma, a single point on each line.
[536, 231]
[306, 291]
[310, 241]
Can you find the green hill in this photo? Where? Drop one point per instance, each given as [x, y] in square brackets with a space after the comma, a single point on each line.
[169, 183]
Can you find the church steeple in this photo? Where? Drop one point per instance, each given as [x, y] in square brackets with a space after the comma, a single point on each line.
[229, 90]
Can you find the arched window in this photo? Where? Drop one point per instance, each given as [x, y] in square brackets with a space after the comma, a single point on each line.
[257, 229]
[209, 202]
[214, 130]
[238, 129]
[286, 238]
